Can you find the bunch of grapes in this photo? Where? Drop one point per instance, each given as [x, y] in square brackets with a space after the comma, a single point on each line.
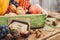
[4, 30]
[14, 2]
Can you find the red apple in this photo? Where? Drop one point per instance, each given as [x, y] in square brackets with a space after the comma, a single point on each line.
[35, 9]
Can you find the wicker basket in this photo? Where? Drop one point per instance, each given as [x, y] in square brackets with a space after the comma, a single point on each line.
[36, 20]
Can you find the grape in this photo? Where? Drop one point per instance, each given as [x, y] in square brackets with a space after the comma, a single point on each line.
[1, 35]
[15, 3]
[11, 1]
[1, 27]
[3, 30]
[5, 27]
[0, 31]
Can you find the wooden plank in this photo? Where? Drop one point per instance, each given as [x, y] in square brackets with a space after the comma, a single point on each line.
[54, 14]
[55, 37]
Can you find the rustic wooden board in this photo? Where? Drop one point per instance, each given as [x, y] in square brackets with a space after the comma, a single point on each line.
[54, 14]
[55, 37]
[44, 35]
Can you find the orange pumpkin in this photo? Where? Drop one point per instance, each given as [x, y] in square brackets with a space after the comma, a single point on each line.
[3, 6]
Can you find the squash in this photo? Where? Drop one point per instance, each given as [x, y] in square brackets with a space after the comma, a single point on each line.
[3, 6]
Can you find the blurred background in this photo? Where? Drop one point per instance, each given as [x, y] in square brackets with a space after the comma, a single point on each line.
[53, 5]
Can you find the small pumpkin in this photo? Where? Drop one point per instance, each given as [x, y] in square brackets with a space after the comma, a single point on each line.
[20, 10]
[3, 6]
[12, 8]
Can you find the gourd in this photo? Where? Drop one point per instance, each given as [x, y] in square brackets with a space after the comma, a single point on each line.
[12, 8]
[20, 11]
[3, 6]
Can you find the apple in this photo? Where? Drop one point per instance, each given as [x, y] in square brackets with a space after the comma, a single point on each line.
[35, 9]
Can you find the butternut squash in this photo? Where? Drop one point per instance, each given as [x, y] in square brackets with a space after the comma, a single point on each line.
[3, 6]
